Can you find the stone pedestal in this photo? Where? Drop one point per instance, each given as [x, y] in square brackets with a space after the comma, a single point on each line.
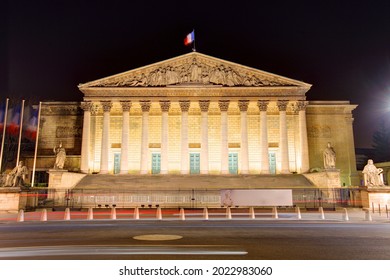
[9, 199]
[375, 197]
[60, 180]
[327, 178]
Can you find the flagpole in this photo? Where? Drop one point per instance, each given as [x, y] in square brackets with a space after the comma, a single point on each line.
[194, 49]
[20, 132]
[36, 145]
[4, 130]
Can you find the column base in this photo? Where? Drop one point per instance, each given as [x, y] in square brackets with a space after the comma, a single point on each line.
[264, 172]
[84, 171]
[143, 172]
[285, 172]
[184, 172]
[164, 172]
[103, 172]
[224, 172]
[124, 172]
[204, 172]
[244, 172]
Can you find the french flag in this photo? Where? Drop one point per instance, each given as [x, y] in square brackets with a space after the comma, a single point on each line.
[32, 124]
[14, 125]
[190, 38]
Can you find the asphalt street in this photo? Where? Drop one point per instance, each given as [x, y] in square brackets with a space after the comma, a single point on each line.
[196, 239]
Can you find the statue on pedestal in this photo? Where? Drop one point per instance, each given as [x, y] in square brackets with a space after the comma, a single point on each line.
[329, 155]
[60, 156]
[372, 176]
[17, 176]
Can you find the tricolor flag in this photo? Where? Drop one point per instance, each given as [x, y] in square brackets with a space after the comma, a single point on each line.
[190, 38]
[30, 129]
[13, 125]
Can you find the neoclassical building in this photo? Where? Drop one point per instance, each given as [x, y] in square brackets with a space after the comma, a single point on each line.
[197, 114]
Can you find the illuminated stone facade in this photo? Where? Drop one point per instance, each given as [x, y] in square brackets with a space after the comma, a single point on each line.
[196, 114]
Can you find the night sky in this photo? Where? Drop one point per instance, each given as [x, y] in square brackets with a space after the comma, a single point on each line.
[340, 47]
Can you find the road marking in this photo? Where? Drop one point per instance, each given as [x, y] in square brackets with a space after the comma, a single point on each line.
[157, 237]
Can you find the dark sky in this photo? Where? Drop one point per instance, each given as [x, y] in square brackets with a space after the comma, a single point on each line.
[341, 47]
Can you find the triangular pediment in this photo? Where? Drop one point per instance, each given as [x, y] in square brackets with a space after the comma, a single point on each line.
[194, 70]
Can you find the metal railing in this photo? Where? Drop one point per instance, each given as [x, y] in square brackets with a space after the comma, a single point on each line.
[306, 198]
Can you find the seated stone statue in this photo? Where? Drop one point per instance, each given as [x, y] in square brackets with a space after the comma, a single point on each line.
[17, 176]
[372, 176]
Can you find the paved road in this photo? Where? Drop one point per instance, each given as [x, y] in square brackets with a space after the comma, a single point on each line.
[195, 239]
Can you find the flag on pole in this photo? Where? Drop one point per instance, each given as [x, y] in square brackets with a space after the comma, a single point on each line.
[31, 126]
[13, 126]
[189, 38]
[2, 116]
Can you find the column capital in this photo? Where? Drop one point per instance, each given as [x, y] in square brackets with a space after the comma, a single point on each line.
[243, 105]
[282, 105]
[126, 105]
[263, 105]
[107, 105]
[300, 105]
[223, 105]
[165, 104]
[145, 105]
[184, 105]
[86, 105]
[204, 105]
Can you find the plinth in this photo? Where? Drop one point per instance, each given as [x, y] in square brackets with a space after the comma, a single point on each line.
[55, 182]
[9, 199]
[326, 178]
[376, 197]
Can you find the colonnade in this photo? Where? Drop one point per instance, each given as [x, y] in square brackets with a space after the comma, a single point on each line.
[106, 105]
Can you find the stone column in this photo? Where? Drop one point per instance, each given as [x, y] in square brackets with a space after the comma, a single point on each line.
[126, 105]
[243, 105]
[303, 144]
[145, 106]
[204, 131]
[263, 104]
[185, 160]
[165, 104]
[224, 106]
[283, 141]
[107, 105]
[85, 156]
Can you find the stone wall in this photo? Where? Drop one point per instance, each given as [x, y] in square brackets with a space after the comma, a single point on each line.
[331, 121]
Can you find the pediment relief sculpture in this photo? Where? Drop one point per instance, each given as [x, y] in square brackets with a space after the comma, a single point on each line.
[193, 70]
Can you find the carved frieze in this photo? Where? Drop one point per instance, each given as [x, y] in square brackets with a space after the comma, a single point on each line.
[194, 69]
[319, 131]
[69, 132]
[60, 110]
